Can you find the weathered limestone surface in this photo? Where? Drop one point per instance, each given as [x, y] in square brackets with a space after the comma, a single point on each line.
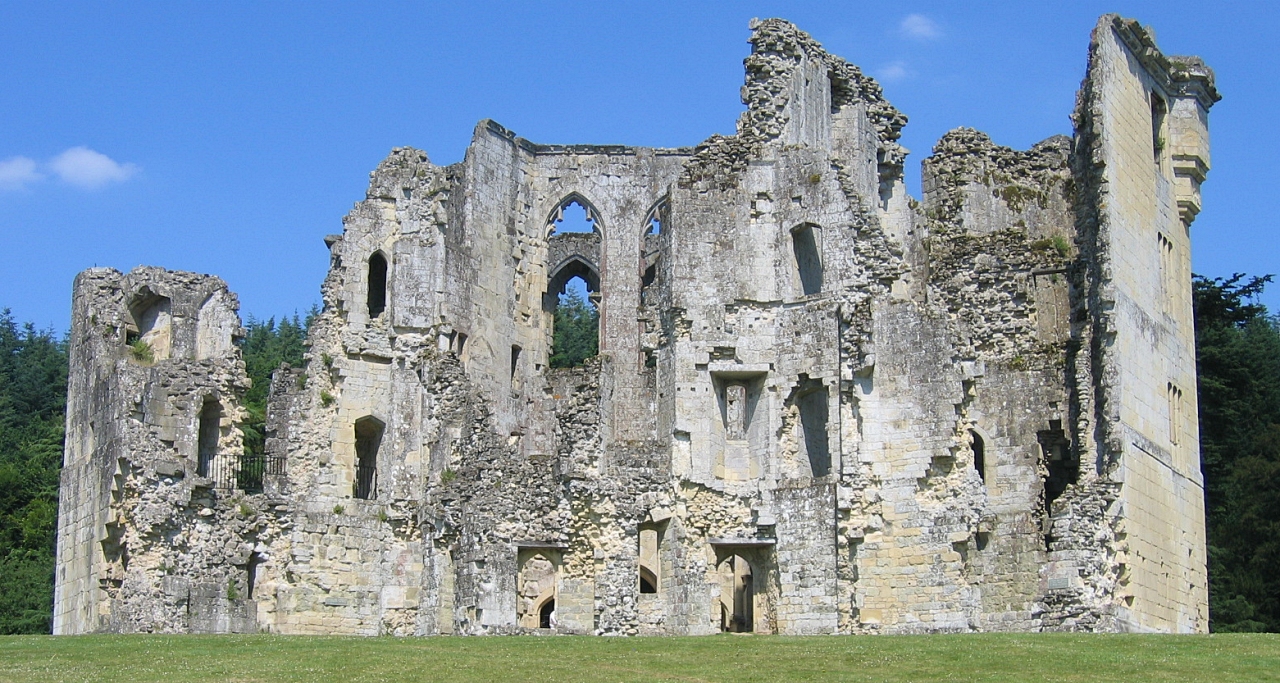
[820, 406]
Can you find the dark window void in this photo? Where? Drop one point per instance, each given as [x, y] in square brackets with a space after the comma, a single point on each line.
[251, 573]
[209, 433]
[368, 439]
[1159, 110]
[813, 421]
[546, 614]
[647, 280]
[648, 582]
[979, 454]
[1063, 471]
[805, 241]
[515, 361]
[377, 285]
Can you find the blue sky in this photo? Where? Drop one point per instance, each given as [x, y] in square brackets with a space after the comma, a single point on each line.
[230, 137]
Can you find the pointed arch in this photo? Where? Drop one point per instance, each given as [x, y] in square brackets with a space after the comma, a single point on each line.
[575, 197]
[656, 219]
[575, 265]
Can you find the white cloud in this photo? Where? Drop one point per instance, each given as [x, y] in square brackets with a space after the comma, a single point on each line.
[90, 170]
[894, 71]
[16, 172]
[919, 27]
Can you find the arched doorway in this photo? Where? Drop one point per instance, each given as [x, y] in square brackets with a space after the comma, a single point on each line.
[547, 614]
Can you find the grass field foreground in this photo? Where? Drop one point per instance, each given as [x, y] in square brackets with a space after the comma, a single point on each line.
[737, 659]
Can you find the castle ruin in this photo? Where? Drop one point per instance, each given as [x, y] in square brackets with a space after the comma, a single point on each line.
[820, 406]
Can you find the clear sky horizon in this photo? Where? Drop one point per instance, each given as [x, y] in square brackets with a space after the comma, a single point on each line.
[229, 138]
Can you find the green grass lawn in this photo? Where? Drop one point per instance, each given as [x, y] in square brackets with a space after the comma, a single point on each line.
[970, 657]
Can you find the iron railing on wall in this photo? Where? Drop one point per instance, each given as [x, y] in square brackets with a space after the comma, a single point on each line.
[245, 472]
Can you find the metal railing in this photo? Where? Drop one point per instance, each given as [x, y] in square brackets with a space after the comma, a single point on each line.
[244, 472]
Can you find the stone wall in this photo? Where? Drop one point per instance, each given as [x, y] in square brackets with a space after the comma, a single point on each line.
[820, 406]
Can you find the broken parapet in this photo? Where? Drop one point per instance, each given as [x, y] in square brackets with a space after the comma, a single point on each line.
[819, 406]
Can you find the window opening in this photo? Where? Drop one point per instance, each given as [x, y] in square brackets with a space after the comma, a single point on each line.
[151, 335]
[979, 454]
[575, 332]
[1063, 471]
[806, 243]
[649, 250]
[368, 440]
[813, 422]
[1167, 279]
[377, 298]
[208, 434]
[573, 216]
[1159, 111]
[515, 361]
[1175, 412]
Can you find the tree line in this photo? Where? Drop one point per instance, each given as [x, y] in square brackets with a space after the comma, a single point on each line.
[1237, 356]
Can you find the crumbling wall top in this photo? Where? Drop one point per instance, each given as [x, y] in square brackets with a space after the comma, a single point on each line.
[778, 49]
[1183, 75]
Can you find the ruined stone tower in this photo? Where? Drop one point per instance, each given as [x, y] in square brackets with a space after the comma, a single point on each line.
[820, 406]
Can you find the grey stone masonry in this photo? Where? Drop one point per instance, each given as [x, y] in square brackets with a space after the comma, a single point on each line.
[820, 406]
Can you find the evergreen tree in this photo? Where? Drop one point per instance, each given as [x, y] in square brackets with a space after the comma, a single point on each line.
[265, 346]
[576, 336]
[1238, 360]
[33, 394]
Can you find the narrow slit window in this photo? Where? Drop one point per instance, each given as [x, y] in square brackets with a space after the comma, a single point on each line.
[1168, 286]
[377, 298]
[1175, 413]
[979, 454]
